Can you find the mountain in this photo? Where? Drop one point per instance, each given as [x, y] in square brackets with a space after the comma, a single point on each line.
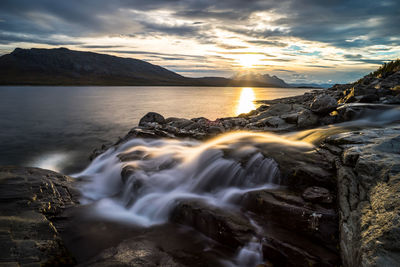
[262, 78]
[61, 66]
[64, 66]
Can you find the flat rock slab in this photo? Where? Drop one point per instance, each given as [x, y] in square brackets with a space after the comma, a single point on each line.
[29, 199]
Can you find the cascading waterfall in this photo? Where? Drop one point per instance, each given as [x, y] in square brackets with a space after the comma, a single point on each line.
[157, 174]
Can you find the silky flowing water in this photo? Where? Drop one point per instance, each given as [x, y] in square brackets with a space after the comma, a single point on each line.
[161, 173]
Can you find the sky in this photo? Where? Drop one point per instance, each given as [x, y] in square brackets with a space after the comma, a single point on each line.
[301, 41]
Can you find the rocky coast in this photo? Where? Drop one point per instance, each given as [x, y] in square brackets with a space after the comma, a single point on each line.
[335, 201]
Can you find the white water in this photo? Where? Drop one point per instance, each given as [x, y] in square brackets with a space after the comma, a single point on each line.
[164, 172]
[219, 172]
[51, 161]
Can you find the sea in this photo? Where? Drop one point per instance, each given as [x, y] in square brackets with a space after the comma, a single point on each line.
[57, 127]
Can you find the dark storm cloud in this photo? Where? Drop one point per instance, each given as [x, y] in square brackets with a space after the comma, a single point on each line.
[183, 56]
[342, 23]
[182, 30]
[14, 38]
[203, 14]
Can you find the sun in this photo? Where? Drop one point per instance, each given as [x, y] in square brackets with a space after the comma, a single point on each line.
[249, 60]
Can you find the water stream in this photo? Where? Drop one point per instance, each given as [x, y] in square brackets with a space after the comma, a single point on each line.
[157, 174]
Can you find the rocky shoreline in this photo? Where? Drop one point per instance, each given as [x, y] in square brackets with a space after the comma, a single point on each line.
[338, 204]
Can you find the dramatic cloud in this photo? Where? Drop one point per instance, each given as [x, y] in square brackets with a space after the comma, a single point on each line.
[317, 40]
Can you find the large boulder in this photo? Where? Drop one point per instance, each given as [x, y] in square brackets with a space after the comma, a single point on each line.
[323, 104]
[151, 117]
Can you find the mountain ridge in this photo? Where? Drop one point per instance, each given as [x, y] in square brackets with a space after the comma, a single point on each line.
[62, 66]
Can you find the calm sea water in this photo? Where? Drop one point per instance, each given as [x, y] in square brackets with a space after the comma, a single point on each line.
[58, 127]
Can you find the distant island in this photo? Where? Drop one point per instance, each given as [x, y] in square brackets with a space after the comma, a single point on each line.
[62, 66]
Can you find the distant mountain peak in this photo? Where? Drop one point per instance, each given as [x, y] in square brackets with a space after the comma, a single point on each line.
[262, 78]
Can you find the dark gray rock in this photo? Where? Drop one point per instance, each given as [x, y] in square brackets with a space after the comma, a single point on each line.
[215, 130]
[317, 194]
[290, 118]
[306, 219]
[133, 252]
[32, 200]
[369, 98]
[369, 202]
[323, 104]
[181, 123]
[151, 117]
[228, 228]
[306, 119]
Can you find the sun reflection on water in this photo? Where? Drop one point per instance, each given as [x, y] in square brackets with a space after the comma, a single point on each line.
[246, 101]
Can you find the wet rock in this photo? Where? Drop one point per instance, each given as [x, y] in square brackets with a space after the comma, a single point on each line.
[323, 104]
[32, 201]
[228, 228]
[389, 99]
[317, 194]
[306, 118]
[151, 117]
[289, 250]
[305, 218]
[145, 133]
